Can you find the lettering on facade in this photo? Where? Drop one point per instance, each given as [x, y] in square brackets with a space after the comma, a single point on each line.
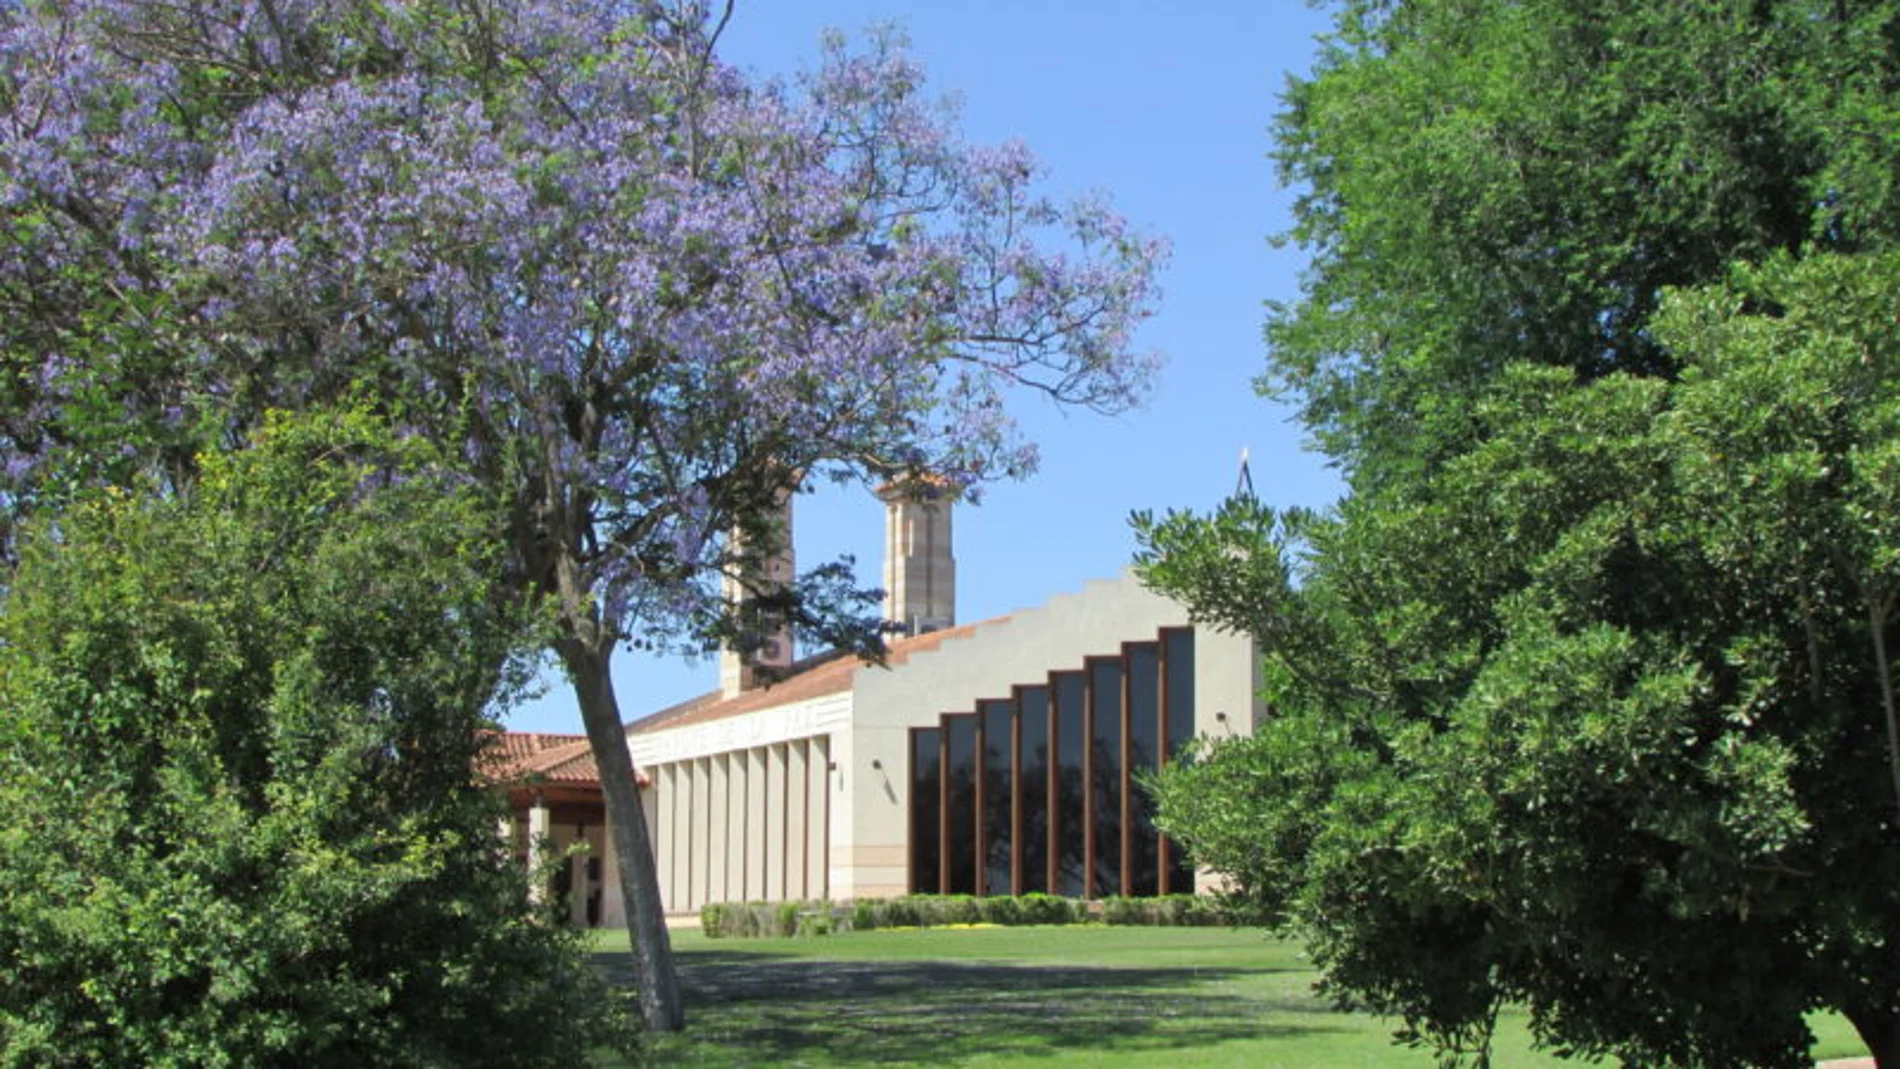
[741, 733]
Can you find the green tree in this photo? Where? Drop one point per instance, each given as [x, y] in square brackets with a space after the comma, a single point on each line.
[1601, 721]
[1483, 182]
[239, 728]
[1583, 697]
[636, 294]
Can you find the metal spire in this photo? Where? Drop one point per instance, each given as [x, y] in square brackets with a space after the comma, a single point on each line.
[1243, 487]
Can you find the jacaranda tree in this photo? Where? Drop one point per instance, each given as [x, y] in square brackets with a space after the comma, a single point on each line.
[639, 295]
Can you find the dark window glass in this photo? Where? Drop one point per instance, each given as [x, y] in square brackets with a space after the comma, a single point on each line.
[1069, 690]
[1105, 773]
[1032, 785]
[1177, 649]
[1177, 655]
[1143, 662]
[999, 794]
[960, 803]
[926, 811]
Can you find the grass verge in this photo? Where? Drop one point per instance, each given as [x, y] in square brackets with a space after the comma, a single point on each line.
[1051, 998]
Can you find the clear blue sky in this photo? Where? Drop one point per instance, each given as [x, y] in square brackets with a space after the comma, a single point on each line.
[1167, 110]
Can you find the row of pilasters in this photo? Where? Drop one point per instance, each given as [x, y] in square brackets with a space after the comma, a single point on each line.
[747, 825]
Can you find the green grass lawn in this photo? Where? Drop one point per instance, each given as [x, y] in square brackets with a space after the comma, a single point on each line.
[1051, 998]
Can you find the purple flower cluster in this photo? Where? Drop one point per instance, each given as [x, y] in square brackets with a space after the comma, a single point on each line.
[632, 285]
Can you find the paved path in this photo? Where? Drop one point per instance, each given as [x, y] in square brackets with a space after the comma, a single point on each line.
[1848, 1063]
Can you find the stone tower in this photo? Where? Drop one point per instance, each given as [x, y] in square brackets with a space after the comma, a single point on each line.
[920, 573]
[740, 671]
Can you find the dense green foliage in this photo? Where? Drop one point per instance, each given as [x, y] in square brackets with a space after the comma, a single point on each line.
[238, 729]
[1484, 182]
[1583, 698]
[1602, 725]
[638, 294]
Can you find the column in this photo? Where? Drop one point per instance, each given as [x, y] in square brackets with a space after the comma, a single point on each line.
[577, 881]
[718, 821]
[656, 831]
[682, 825]
[738, 799]
[699, 814]
[775, 795]
[797, 819]
[613, 909]
[755, 805]
[537, 846]
[666, 844]
[818, 818]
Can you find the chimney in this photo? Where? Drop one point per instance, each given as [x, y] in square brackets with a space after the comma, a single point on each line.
[920, 574]
[741, 671]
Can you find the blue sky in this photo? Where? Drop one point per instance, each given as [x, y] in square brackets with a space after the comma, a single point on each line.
[1167, 110]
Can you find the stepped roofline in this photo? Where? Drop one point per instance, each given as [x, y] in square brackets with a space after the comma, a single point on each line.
[832, 672]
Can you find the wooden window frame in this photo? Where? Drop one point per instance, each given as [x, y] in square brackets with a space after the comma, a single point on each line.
[1164, 857]
[1090, 820]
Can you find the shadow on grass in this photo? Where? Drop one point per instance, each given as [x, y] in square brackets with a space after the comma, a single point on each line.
[750, 1008]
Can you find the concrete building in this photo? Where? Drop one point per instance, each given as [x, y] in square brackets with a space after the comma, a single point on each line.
[989, 758]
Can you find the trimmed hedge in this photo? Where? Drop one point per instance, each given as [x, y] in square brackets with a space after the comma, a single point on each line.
[743, 920]
[766, 920]
[1165, 911]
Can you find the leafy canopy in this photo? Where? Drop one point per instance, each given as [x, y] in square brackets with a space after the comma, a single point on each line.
[1583, 699]
[628, 286]
[636, 295]
[1483, 183]
[239, 730]
[1599, 723]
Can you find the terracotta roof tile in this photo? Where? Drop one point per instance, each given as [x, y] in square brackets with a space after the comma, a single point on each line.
[814, 677]
[544, 757]
[511, 754]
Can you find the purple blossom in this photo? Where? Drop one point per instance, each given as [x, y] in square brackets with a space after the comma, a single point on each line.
[624, 280]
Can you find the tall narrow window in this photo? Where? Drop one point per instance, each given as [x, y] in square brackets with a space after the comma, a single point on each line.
[926, 812]
[999, 793]
[1177, 707]
[959, 804]
[1105, 773]
[1143, 661]
[1032, 788]
[1068, 690]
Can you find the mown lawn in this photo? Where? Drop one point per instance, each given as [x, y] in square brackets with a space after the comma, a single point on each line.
[1050, 998]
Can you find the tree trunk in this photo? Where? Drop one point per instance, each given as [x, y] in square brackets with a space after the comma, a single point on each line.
[652, 948]
[1877, 619]
[1880, 1030]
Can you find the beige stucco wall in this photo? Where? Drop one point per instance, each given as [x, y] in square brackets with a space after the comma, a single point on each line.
[870, 854]
[811, 799]
[743, 804]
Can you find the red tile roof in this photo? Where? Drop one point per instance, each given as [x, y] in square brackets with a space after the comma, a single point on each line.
[543, 757]
[517, 757]
[813, 677]
[522, 747]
